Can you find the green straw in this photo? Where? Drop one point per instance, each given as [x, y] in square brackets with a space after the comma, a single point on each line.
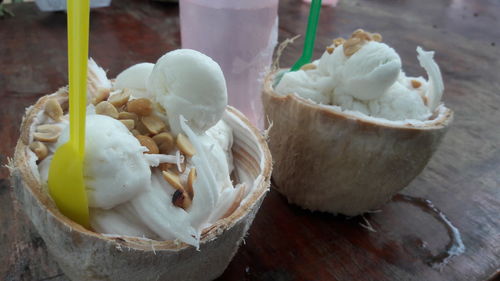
[312, 25]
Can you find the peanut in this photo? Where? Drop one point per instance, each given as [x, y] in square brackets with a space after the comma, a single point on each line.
[190, 182]
[120, 99]
[128, 115]
[39, 149]
[47, 133]
[165, 142]
[308, 66]
[129, 123]
[377, 37]
[139, 126]
[101, 95]
[153, 124]
[185, 145]
[148, 143]
[361, 34]
[173, 179]
[141, 107]
[106, 108]
[352, 45]
[53, 109]
[338, 41]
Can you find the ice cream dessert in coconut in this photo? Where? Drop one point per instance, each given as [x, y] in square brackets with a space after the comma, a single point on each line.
[350, 129]
[174, 176]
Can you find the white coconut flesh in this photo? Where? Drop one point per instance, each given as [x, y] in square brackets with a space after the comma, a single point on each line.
[128, 196]
[369, 84]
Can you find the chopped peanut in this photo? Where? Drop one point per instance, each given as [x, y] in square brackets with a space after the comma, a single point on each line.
[106, 108]
[377, 37]
[338, 41]
[153, 124]
[165, 142]
[47, 133]
[148, 143]
[120, 99]
[139, 126]
[101, 95]
[53, 109]
[129, 123]
[128, 115]
[190, 182]
[173, 179]
[352, 45]
[141, 107]
[185, 145]
[40, 149]
[361, 34]
[308, 66]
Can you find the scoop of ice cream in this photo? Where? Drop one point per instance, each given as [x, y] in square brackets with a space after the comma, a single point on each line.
[135, 78]
[152, 210]
[125, 196]
[115, 170]
[399, 103]
[189, 83]
[305, 85]
[366, 75]
[369, 72]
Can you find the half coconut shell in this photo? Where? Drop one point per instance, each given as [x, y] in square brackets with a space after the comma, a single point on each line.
[334, 161]
[86, 255]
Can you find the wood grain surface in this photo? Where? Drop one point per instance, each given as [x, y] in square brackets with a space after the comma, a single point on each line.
[286, 242]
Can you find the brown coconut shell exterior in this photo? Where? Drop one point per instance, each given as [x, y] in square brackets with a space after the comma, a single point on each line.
[331, 161]
[86, 255]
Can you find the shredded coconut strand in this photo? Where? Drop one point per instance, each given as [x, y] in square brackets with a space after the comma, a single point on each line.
[155, 159]
[436, 88]
[205, 185]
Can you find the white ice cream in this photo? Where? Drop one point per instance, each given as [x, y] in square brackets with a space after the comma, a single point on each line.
[189, 83]
[370, 81]
[369, 72]
[127, 197]
[135, 79]
[152, 210]
[109, 143]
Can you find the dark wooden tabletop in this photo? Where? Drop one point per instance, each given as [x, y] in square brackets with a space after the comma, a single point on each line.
[287, 243]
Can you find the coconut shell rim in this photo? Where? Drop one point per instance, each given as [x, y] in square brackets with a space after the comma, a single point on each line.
[20, 164]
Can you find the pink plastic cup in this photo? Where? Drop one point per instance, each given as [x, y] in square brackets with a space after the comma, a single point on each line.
[240, 35]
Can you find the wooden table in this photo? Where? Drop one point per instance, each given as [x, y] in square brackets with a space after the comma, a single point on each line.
[285, 242]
